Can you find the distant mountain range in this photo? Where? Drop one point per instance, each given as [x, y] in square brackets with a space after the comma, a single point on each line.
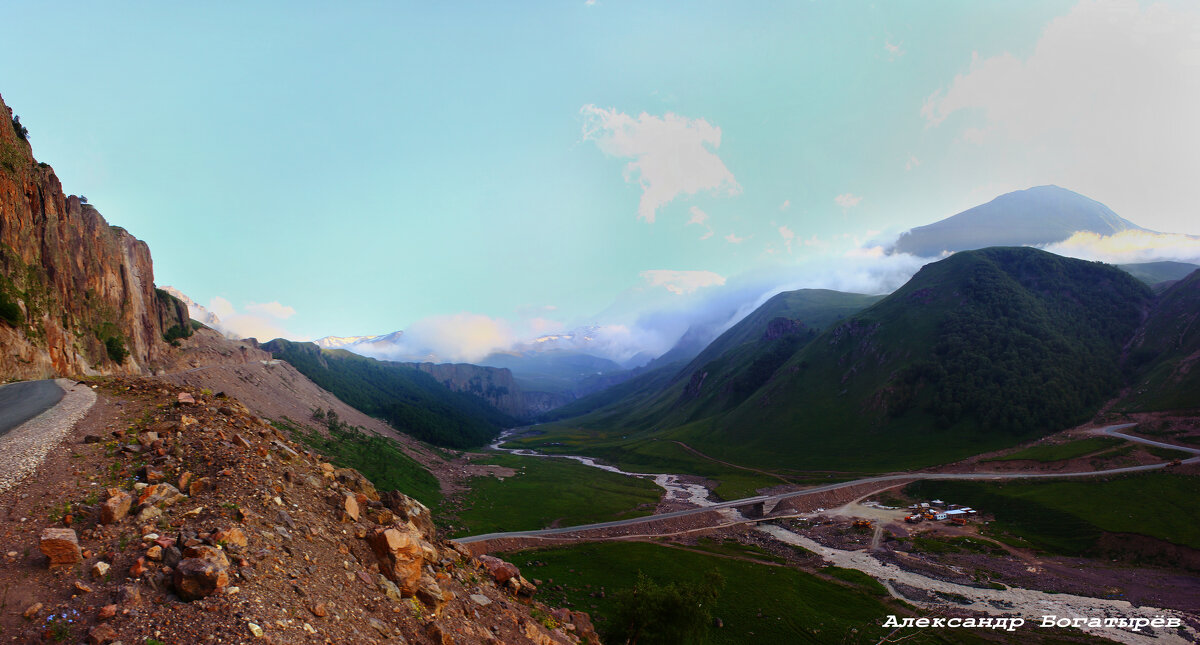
[1034, 217]
[569, 369]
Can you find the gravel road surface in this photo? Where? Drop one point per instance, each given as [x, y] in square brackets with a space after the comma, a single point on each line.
[23, 448]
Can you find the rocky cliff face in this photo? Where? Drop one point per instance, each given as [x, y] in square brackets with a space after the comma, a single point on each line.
[495, 385]
[77, 295]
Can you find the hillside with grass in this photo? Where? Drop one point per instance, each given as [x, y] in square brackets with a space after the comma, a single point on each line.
[735, 363]
[1163, 355]
[409, 399]
[979, 351]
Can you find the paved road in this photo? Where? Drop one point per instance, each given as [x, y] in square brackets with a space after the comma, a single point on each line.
[20, 402]
[1110, 430]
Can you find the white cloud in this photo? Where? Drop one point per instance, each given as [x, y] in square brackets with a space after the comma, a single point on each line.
[847, 200]
[681, 282]
[671, 155]
[261, 321]
[700, 218]
[458, 337]
[788, 235]
[1130, 247]
[912, 162]
[272, 309]
[732, 238]
[893, 51]
[1105, 104]
[785, 205]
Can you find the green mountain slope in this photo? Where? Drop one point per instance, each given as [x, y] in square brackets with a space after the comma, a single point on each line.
[1153, 273]
[981, 350]
[735, 364]
[1163, 356]
[409, 399]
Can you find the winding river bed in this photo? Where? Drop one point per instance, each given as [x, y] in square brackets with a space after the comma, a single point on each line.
[676, 489]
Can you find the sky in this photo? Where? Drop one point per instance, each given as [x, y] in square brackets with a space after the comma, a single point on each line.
[491, 172]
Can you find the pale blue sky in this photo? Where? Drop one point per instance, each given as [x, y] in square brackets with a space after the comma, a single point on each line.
[371, 165]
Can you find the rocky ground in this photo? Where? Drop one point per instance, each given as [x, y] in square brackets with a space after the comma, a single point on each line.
[172, 516]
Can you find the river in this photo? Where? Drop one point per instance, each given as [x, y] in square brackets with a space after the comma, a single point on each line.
[676, 489]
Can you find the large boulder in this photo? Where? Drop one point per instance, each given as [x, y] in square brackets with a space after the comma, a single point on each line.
[408, 509]
[398, 550]
[61, 546]
[159, 495]
[356, 482]
[203, 571]
[502, 571]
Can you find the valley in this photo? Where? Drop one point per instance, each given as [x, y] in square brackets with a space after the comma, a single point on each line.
[1003, 432]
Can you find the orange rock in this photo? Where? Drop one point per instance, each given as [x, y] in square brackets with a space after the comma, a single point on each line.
[61, 546]
[399, 555]
[139, 568]
[350, 505]
[199, 486]
[232, 536]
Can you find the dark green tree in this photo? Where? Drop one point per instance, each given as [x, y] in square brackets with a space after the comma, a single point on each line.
[653, 614]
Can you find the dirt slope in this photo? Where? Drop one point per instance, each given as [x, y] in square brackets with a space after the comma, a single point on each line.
[264, 542]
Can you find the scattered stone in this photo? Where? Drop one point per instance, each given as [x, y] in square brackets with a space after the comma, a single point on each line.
[32, 611]
[184, 397]
[100, 569]
[137, 569]
[203, 571]
[156, 494]
[148, 514]
[240, 441]
[155, 553]
[319, 610]
[481, 600]
[390, 589]
[128, 595]
[61, 546]
[116, 507]
[379, 626]
[91, 438]
[199, 486]
[231, 537]
[101, 634]
[107, 612]
[502, 571]
[350, 506]
[82, 588]
[185, 479]
[255, 629]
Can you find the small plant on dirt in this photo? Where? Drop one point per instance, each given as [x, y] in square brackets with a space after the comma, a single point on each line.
[58, 512]
[92, 498]
[123, 542]
[542, 617]
[154, 641]
[417, 608]
[59, 626]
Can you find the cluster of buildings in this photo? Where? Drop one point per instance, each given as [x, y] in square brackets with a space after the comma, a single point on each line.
[937, 511]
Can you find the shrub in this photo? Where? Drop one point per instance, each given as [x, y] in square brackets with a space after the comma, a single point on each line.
[21, 130]
[9, 311]
[115, 345]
